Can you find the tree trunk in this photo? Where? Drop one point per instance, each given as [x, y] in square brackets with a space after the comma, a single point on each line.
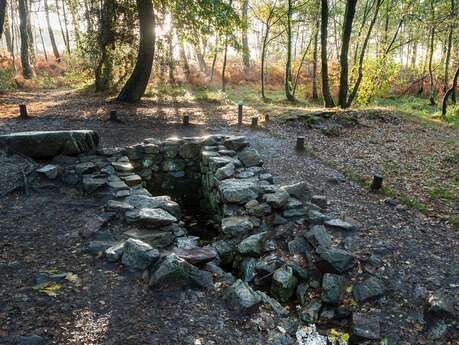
[315, 94]
[450, 92]
[170, 53]
[29, 31]
[185, 65]
[106, 41]
[26, 69]
[328, 100]
[288, 65]
[66, 26]
[263, 58]
[362, 54]
[298, 71]
[8, 35]
[344, 63]
[245, 41]
[51, 34]
[66, 43]
[214, 60]
[200, 57]
[432, 40]
[12, 35]
[43, 43]
[137, 83]
[225, 57]
[2, 16]
[449, 45]
[75, 27]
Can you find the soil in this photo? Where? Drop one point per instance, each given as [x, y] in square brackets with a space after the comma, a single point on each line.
[106, 306]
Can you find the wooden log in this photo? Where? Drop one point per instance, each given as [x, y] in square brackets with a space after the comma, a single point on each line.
[299, 143]
[186, 120]
[23, 111]
[376, 185]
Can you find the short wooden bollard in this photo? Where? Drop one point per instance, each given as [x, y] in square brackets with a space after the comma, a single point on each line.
[186, 120]
[299, 144]
[254, 122]
[113, 115]
[266, 118]
[239, 114]
[23, 111]
[376, 185]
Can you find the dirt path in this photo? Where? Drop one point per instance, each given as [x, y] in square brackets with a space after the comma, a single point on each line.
[419, 254]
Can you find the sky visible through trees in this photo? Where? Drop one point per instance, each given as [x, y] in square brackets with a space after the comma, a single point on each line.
[341, 51]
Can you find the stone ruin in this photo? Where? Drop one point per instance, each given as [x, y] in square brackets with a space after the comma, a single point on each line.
[203, 209]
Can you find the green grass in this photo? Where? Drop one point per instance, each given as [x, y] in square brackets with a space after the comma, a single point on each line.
[420, 108]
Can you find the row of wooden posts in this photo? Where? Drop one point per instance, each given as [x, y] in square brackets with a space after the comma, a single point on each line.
[376, 184]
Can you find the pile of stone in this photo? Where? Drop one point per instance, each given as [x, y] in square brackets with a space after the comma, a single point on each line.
[274, 239]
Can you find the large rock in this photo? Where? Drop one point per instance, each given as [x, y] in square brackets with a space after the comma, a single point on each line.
[335, 260]
[151, 217]
[48, 144]
[164, 202]
[367, 290]
[365, 327]
[236, 226]
[173, 271]
[284, 284]
[196, 255]
[333, 286]
[252, 245]
[241, 298]
[138, 255]
[239, 191]
[299, 190]
[250, 157]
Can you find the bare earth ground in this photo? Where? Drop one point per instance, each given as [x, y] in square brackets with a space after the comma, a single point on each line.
[40, 230]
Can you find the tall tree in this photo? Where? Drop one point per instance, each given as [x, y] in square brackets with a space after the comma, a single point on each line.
[245, 41]
[315, 94]
[363, 50]
[288, 64]
[29, 31]
[344, 63]
[2, 16]
[328, 100]
[106, 42]
[26, 69]
[449, 44]
[51, 33]
[431, 52]
[138, 81]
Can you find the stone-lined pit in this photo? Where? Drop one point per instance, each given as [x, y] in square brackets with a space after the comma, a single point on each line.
[274, 239]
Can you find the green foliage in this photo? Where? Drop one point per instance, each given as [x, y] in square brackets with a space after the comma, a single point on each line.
[6, 79]
[420, 108]
[379, 79]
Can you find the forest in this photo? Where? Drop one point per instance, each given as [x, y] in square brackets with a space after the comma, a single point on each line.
[342, 52]
[229, 172]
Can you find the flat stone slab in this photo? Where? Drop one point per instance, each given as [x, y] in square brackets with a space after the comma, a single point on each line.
[48, 144]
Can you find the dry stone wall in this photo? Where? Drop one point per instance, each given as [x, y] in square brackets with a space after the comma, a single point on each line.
[273, 244]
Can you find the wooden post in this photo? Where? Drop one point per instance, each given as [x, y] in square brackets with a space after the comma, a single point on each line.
[186, 120]
[266, 117]
[23, 111]
[376, 185]
[239, 114]
[254, 122]
[113, 116]
[299, 143]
